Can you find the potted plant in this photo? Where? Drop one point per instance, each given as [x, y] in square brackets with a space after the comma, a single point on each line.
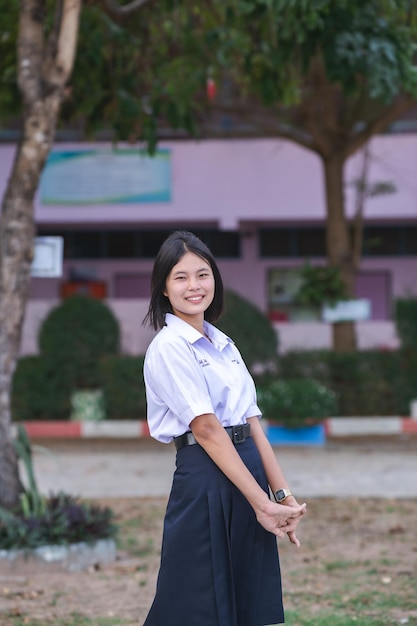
[320, 285]
[295, 410]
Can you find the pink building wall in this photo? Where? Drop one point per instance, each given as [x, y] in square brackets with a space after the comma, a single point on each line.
[241, 180]
[234, 184]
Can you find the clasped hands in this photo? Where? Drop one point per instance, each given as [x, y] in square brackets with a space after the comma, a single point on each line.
[282, 519]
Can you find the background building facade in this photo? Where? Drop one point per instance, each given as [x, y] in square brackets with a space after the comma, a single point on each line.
[260, 206]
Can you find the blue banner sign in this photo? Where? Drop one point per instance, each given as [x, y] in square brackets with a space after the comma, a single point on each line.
[122, 176]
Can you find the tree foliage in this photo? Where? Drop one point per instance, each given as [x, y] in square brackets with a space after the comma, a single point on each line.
[9, 94]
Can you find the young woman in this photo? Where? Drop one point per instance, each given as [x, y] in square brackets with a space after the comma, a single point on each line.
[219, 561]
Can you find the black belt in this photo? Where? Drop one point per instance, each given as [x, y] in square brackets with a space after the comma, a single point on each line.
[237, 434]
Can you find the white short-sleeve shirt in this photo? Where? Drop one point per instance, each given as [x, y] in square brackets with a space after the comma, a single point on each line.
[187, 375]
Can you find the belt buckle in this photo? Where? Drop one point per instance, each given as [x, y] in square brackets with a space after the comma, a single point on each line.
[238, 434]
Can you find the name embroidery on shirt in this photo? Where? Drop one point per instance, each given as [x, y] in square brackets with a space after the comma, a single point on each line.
[203, 362]
[236, 361]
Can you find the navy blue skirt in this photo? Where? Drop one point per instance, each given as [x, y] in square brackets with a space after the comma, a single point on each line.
[219, 566]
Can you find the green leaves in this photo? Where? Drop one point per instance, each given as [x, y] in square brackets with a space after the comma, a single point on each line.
[366, 46]
[31, 501]
[296, 402]
[141, 75]
[9, 95]
[64, 520]
[58, 519]
[320, 285]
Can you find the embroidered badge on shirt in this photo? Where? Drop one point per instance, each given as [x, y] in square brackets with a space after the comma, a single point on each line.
[203, 362]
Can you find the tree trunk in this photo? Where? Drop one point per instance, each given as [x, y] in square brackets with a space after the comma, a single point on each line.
[338, 245]
[44, 68]
[17, 231]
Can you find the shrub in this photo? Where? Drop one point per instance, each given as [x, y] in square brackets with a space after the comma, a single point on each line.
[39, 391]
[250, 329]
[296, 402]
[75, 336]
[58, 519]
[366, 383]
[320, 285]
[64, 519]
[123, 386]
[406, 321]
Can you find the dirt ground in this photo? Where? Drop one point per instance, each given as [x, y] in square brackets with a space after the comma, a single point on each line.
[353, 551]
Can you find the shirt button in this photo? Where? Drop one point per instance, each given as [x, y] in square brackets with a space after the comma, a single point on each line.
[220, 361]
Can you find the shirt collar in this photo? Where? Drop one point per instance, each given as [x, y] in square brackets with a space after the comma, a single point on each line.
[219, 339]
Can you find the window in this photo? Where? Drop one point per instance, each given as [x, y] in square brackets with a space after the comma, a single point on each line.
[381, 241]
[121, 244]
[223, 244]
[311, 242]
[277, 242]
[150, 242]
[85, 245]
[410, 240]
[292, 242]
[135, 243]
[283, 286]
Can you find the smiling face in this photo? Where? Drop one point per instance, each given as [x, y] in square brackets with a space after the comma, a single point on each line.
[190, 289]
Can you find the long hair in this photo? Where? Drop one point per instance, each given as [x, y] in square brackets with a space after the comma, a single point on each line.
[170, 253]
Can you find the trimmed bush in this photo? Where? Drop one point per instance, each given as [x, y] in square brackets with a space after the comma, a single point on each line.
[366, 383]
[124, 387]
[39, 392]
[75, 336]
[251, 330]
[296, 402]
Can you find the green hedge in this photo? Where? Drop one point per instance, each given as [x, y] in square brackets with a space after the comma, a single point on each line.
[296, 402]
[124, 387]
[366, 383]
[406, 321]
[38, 393]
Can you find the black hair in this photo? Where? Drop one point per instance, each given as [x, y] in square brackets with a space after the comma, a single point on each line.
[170, 253]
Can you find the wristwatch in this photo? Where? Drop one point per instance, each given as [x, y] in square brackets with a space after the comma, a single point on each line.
[281, 495]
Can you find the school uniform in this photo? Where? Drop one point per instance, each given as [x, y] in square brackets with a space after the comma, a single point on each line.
[219, 566]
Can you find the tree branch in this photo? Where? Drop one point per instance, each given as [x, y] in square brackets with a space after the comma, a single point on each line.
[62, 44]
[255, 120]
[357, 222]
[114, 9]
[388, 116]
[30, 48]
[67, 40]
[286, 131]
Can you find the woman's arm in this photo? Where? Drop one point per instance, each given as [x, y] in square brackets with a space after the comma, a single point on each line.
[274, 473]
[210, 434]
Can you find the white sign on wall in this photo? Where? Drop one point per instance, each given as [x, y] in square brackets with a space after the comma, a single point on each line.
[48, 257]
[347, 311]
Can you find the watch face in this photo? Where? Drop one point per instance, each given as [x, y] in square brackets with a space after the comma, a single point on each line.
[280, 494]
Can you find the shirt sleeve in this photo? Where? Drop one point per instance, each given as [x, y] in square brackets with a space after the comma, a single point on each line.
[253, 409]
[173, 374]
